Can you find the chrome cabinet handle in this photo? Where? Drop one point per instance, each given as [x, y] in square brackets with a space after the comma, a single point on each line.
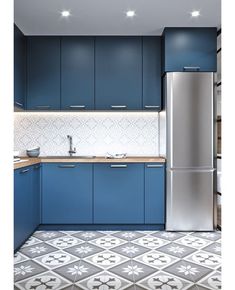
[118, 106]
[24, 171]
[43, 107]
[77, 106]
[154, 166]
[151, 107]
[66, 166]
[118, 166]
[19, 104]
[191, 68]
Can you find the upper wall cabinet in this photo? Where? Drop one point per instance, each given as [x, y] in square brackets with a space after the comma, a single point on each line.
[43, 73]
[189, 49]
[118, 73]
[19, 68]
[152, 73]
[77, 73]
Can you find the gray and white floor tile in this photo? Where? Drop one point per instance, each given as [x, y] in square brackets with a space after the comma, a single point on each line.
[123, 260]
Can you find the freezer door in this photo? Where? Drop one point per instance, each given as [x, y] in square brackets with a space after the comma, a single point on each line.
[190, 197]
[190, 119]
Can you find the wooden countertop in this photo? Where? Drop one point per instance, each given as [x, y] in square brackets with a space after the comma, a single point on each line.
[56, 159]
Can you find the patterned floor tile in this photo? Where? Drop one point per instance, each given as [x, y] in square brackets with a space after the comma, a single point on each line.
[84, 250]
[77, 271]
[150, 242]
[72, 287]
[65, 242]
[212, 236]
[37, 250]
[31, 241]
[193, 242]
[88, 236]
[47, 280]
[214, 248]
[104, 281]
[187, 270]
[170, 236]
[156, 259]
[132, 270]
[27, 269]
[128, 236]
[212, 281]
[205, 259]
[176, 250]
[47, 235]
[108, 242]
[197, 287]
[18, 258]
[164, 281]
[135, 287]
[106, 259]
[55, 259]
[130, 250]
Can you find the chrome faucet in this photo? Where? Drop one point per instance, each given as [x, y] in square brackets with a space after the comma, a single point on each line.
[71, 149]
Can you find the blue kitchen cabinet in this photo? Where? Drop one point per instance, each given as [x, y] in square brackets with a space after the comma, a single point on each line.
[152, 73]
[66, 193]
[19, 68]
[190, 49]
[154, 193]
[118, 73]
[36, 195]
[77, 73]
[43, 73]
[118, 193]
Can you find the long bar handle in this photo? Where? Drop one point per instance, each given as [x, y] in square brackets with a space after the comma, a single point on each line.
[118, 106]
[154, 166]
[24, 171]
[66, 166]
[191, 68]
[19, 104]
[118, 166]
[151, 107]
[77, 107]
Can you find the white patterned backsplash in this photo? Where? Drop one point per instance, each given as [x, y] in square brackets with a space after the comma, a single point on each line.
[94, 133]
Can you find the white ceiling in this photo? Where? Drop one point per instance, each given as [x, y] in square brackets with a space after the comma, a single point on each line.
[107, 17]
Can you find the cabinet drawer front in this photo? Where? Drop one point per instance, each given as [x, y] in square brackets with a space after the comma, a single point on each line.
[67, 193]
[119, 193]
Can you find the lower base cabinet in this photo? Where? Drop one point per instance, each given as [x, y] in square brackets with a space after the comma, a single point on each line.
[118, 193]
[26, 203]
[66, 193]
[154, 193]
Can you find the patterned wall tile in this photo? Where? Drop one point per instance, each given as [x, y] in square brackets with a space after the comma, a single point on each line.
[96, 133]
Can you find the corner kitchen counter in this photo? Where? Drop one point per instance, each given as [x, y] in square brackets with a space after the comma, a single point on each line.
[31, 161]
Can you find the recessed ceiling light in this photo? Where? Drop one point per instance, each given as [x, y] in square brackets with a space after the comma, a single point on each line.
[130, 13]
[195, 13]
[65, 13]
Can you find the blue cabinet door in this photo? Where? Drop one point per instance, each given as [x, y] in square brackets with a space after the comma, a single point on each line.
[66, 193]
[22, 205]
[152, 73]
[43, 77]
[77, 73]
[19, 68]
[154, 193]
[36, 195]
[118, 73]
[190, 49]
[118, 193]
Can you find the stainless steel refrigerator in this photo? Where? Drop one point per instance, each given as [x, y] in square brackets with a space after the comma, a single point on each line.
[191, 167]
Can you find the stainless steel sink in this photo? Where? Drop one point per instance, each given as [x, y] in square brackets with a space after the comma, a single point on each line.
[70, 157]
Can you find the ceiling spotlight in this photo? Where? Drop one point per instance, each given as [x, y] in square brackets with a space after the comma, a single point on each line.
[65, 13]
[130, 13]
[195, 13]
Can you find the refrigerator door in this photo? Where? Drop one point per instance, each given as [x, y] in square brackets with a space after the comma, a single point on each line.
[190, 199]
[190, 119]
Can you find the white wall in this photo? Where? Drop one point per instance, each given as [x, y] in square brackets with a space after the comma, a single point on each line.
[96, 133]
